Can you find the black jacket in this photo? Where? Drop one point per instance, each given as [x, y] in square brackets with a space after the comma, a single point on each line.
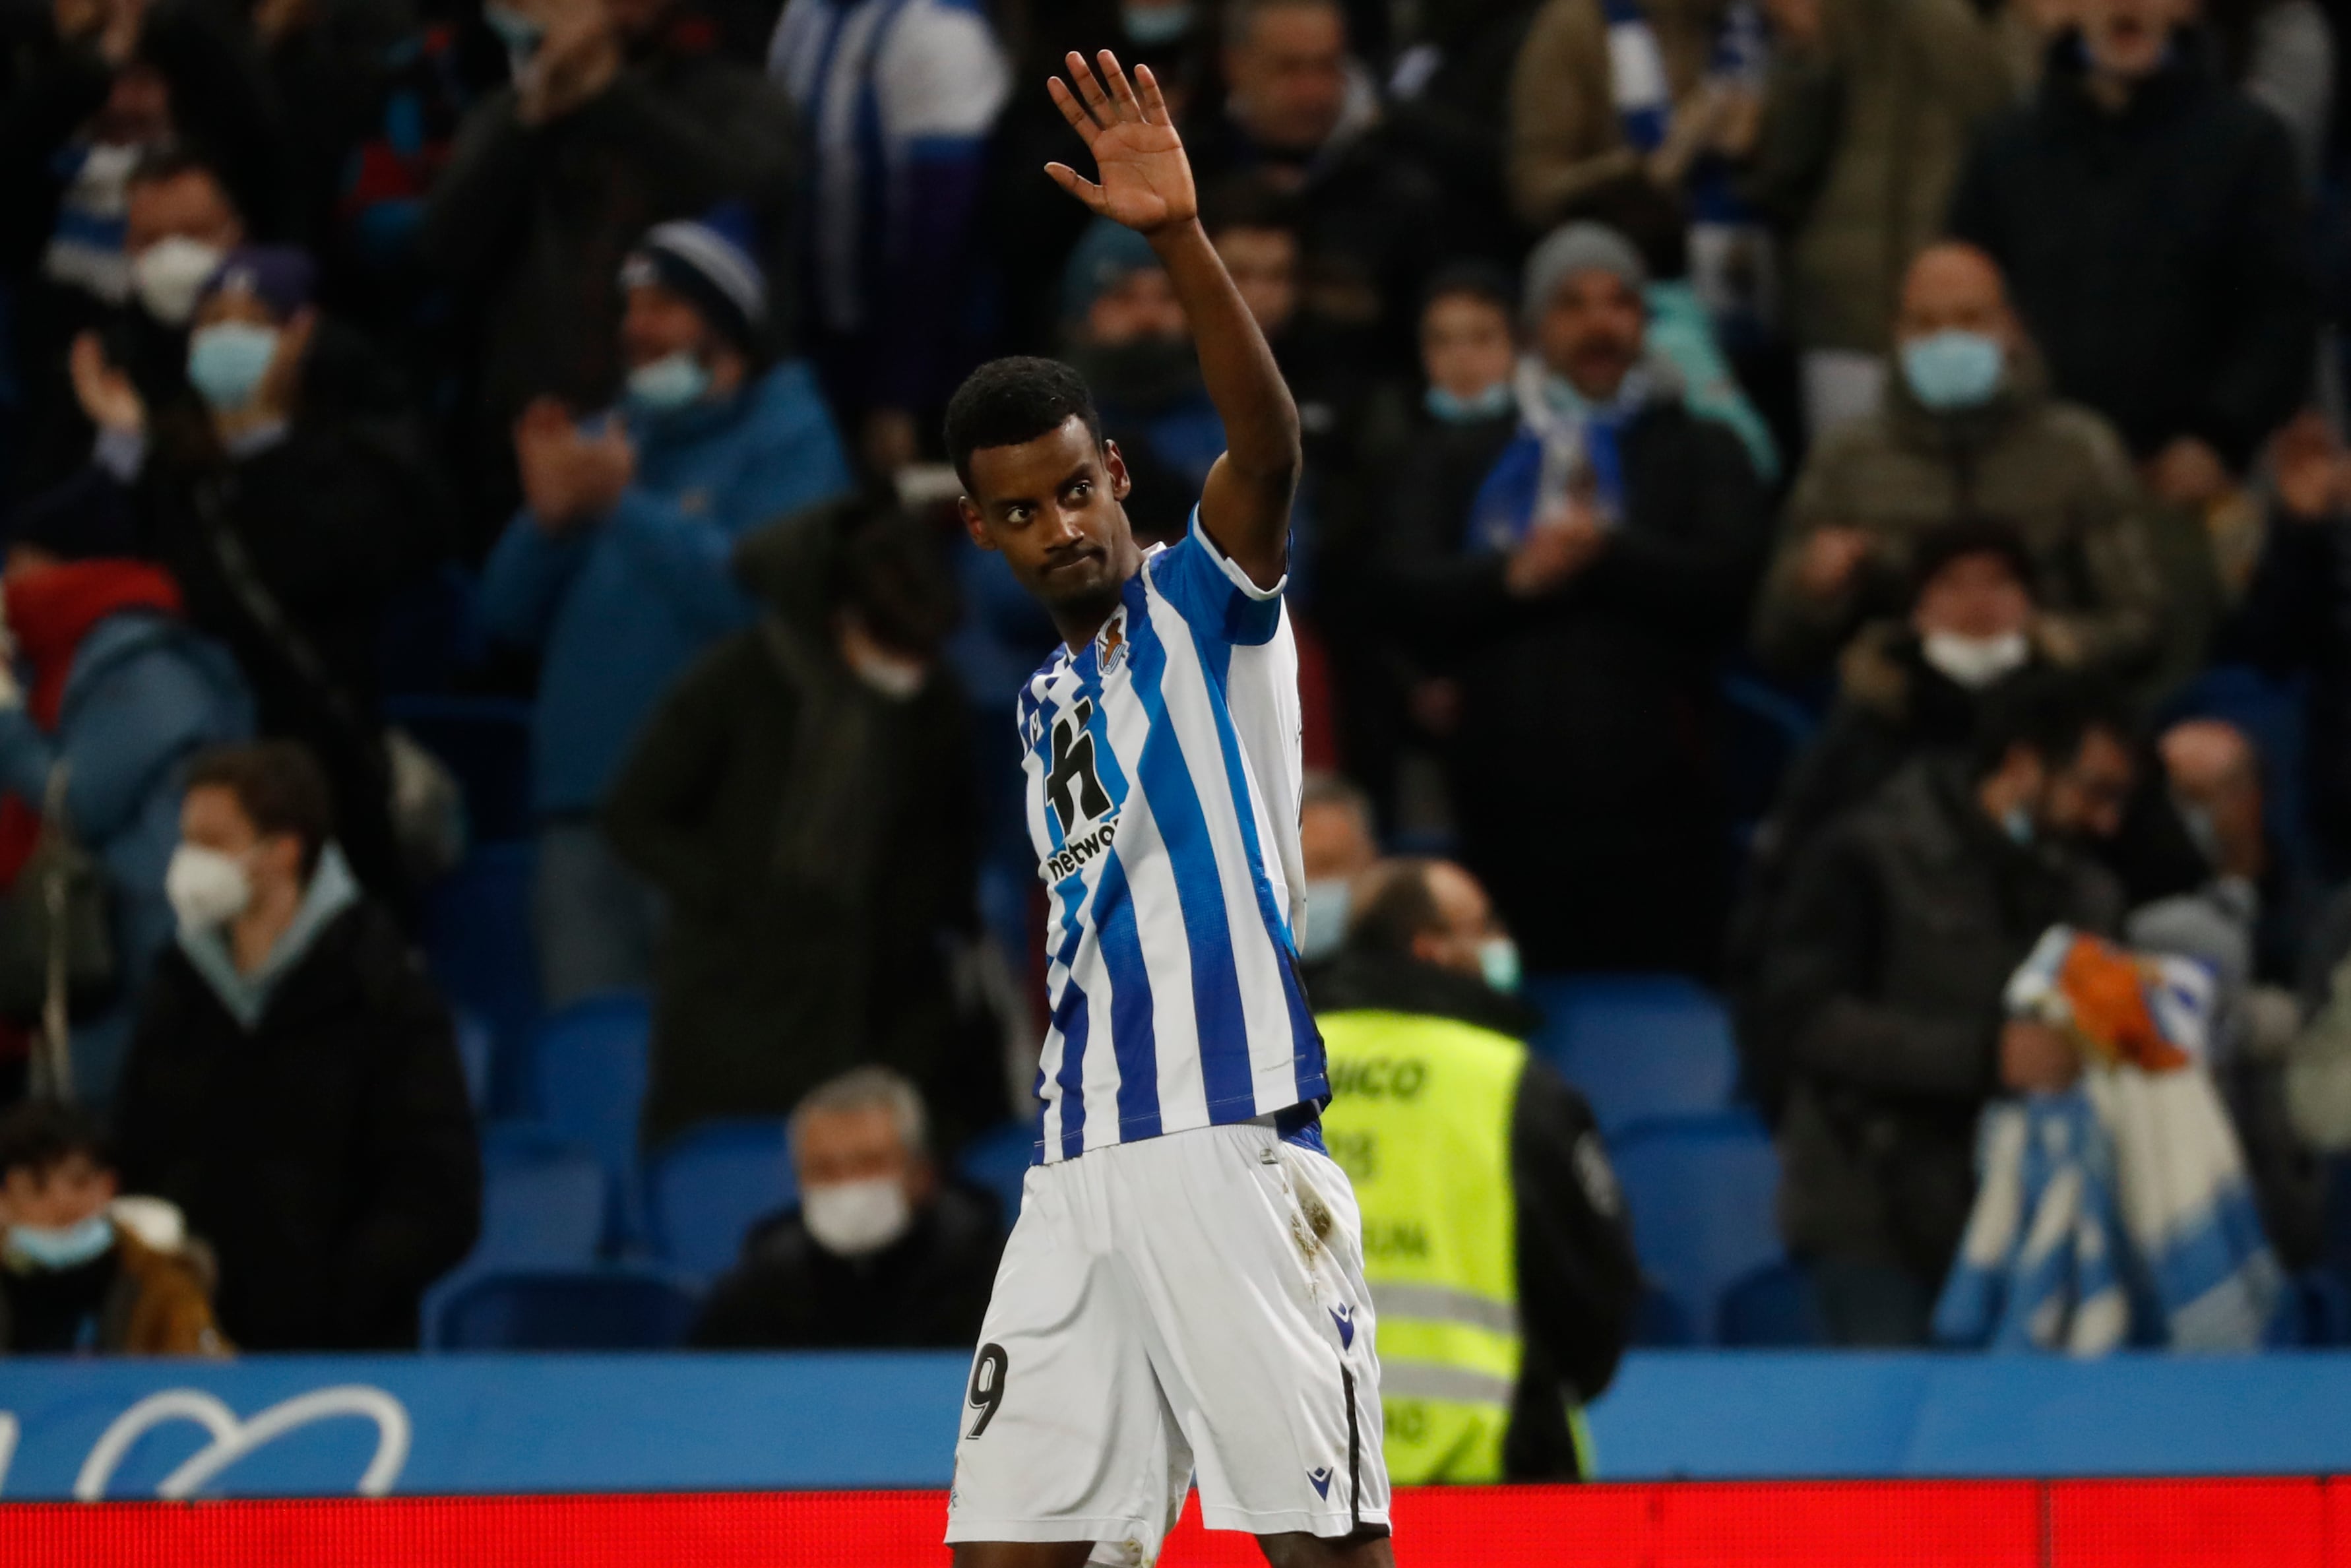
[929, 1288]
[1579, 1280]
[2296, 618]
[2161, 255]
[328, 1155]
[1879, 1010]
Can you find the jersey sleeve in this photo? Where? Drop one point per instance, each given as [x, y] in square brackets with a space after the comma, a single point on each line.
[1214, 597]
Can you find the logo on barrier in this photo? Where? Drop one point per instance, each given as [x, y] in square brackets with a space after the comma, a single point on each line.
[232, 1439]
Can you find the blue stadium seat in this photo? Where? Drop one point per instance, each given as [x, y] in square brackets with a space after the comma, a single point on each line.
[543, 1199]
[610, 1307]
[477, 939]
[485, 742]
[1657, 1323]
[1773, 1307]
[705, 1190]
[476, 1055]
[996, 1160]
[1701, 1190]
[1638, 1045]
[587, 1068]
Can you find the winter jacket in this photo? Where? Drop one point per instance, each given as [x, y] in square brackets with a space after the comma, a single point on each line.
[143, 694]
[1586, 754]
[620, 605]
[815, 841]
[1879, 1011]
[1567, 141]
[1862, 139]
[2052, 471]
[1578, 1282]
[928, 1289]
[2160, 256]
[131, 1299]
[326, 1151]
[531, 223]
[2296, 619]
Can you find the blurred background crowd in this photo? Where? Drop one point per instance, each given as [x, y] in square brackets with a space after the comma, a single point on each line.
[1801, 497]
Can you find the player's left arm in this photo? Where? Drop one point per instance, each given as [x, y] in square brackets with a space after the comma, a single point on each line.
[1146, 185]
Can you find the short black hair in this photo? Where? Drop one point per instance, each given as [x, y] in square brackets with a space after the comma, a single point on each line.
[170, 160]
[1401, 908]
[278, 786]
[1961, 537]
[890, 573]
[1008, 402]
[40, 1135]
[1480, 280]
[2051, 713]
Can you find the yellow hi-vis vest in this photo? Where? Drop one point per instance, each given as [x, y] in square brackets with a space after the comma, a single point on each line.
[1420, 1118]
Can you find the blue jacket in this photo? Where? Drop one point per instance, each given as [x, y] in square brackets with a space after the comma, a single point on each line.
[620, 606]
[144, 693]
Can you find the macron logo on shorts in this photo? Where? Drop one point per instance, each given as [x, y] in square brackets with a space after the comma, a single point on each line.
[1344, 1316]
[1321, 1477]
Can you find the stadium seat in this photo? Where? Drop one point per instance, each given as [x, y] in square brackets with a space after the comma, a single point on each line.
[486, 742]
[1773, 1307]
[588, 1067]
[1638, 1046]
[705, 1190]
[477, 939]
[997, 1162]
[543, 1199]
[476, 1055]
[1700, 1189]
[1657, 1323]
[610, 1307]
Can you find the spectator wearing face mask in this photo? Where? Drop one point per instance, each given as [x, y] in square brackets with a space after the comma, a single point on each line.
[1968, 428]
[1499, 1256]
[1338, 841]
[881, 1254]
[1878, 1020]
[1601, 565]
[117, 691]
[785, 799]
[294, 1085]
[2151, 223]
[617, 571]
[287, 520]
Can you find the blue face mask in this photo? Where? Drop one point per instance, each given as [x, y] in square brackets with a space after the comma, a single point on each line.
[521, 35]
[1953, 370]
[1449, 407]
[228, 360]
[2018, 822]
[668, 384]
[1498, 960]
[55, 1250]
[1157, 23]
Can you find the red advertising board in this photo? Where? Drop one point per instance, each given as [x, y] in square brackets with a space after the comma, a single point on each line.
[2210, 1523]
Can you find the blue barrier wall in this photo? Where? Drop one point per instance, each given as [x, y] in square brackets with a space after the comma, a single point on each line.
[331, 1426]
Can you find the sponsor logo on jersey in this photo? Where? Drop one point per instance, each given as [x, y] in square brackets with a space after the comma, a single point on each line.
[1321, 1475]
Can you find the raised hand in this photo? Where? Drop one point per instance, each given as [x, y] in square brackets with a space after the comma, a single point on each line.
[1146, 180]
[105, 394]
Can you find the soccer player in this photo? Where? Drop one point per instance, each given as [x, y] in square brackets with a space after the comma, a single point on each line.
[1185, 1288]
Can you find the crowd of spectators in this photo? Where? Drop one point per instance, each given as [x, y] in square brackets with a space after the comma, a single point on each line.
[1960, 373]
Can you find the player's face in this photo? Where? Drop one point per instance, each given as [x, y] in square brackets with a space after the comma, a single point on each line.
[1051, 506]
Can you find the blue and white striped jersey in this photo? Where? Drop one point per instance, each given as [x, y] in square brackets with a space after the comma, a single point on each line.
[1163, 782]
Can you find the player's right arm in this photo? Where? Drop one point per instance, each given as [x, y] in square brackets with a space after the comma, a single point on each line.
[1146, 185]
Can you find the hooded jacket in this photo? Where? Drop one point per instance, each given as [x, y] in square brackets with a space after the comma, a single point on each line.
[145, 1301]
[816, 843]
[2054, 471]
[2160, 255]
[619, 606]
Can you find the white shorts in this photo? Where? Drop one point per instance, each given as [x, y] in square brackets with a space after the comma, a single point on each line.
[1193, 1302]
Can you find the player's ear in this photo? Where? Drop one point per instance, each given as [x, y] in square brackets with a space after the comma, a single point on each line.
[973, 523]
[1114, 464]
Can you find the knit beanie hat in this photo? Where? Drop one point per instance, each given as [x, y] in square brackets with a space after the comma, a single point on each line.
[1106, 254]
[1577, 247]
[280, 276]
[707, 261]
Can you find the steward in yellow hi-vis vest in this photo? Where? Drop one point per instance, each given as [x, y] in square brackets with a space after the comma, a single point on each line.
[1494, 1241]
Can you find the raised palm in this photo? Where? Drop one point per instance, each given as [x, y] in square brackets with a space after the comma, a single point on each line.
[1146, 180]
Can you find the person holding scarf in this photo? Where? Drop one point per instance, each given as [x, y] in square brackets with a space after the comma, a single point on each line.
[1615, 541]
[110, 683]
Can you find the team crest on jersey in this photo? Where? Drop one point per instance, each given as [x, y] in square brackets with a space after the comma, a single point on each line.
[1110, 646]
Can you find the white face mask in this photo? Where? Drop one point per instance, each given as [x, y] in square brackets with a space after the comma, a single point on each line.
[1326, 918]
[852, 1218]
[892, 675]
[207, 887]
[1975, 662]
[167, 275]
